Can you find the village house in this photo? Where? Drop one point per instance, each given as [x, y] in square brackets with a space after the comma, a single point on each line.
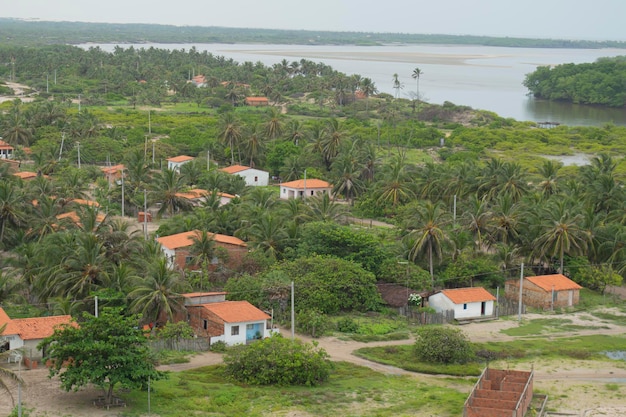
[113, 173]
[467, 303]
[27, 333]
[544, 291]
[304, 188]
[257, 101]
[6, 150]
[26, 175]
[231, 322]
[177, 249]
[174, 164]
[198, 196]
[253, 177]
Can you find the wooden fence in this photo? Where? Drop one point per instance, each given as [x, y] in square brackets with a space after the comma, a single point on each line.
[508, 307]
[427, 318]
[199, 344]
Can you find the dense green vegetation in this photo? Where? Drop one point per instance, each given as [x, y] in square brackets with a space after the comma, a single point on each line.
[21, 32]
[602, 82]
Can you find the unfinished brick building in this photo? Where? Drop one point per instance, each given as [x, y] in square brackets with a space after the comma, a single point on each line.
[545, 291]
[500, 393]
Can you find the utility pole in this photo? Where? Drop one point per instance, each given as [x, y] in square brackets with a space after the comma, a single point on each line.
[19, 387]
[304, 196]
[149, 122]
[145, 214]
[79, 103]
[96, 306]
[145, 147]
[78, 147]
[55, 77]
[47, 84]
[62, 142]
[293, 318]
[152, 152]
[521, 287]
[454, 212]
[208, 160]
[122, 192]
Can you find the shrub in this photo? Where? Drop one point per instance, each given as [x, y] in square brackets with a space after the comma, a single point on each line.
[347, 325]
[219, 346]
[312, 322]
[442, 345]
[278, 361]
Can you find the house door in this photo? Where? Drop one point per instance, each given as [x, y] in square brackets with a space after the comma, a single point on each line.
[570, 298]
[252, 330]
[483, 307]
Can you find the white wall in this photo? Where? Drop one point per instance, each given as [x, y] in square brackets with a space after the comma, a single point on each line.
[461, 311]
[255, 177]
[440, 302]
[239, 339]
[170, 254]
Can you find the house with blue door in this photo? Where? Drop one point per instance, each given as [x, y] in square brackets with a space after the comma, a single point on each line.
[231, 322]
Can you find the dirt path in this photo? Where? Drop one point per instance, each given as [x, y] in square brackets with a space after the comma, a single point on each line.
[18, 90]
[580, 386]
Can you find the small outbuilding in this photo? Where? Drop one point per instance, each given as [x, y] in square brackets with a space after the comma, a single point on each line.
[545, 291]
[176, 162]
[467, 303]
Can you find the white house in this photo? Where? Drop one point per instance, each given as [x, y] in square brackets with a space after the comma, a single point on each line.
[198, 196]
[176, 162]
[6, 150]
[304, 188]
[232, 322]
[474, 302]
[252, 176]
[27, 333]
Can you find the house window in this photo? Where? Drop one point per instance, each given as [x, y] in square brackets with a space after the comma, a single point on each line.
[188, 260]
[205, 324]
[234, 331]
[311, 192]
[465, 306]
[249, 326]
[256, 179]
[284, 190]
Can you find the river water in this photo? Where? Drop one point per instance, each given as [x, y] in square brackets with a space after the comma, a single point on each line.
[488, 78]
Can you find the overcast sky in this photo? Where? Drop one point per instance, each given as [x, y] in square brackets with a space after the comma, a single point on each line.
[566, 19]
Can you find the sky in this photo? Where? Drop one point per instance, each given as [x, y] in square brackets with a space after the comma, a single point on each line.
[556, 19]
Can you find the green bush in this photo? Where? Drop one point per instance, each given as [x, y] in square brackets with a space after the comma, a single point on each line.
[442, 345]
[278, 361]
[347, 325]
[219, 346]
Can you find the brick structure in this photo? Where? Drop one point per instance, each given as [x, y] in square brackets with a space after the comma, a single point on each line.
[177, 249]
[545, 291]
[500, 393]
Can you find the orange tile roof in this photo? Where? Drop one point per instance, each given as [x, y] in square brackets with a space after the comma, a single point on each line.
[180, 158]
[113, 169]
[32, 328]
[25, 175]
[193, 194]
[85, 202]
[468, 295]
[4, 145]
[73, 216]
[235, 311]
[557, 281]
[310, 183]
[202, 294]
[233, 169]
[182, 240]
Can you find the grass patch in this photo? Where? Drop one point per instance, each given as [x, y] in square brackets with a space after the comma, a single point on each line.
[351, 391]
[545, 326]
[168, 357]
[403, 357]
[613, 318]
[583, 347]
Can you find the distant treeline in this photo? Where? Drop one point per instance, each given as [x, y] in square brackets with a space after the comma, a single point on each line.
[602, 82]
[21, 32]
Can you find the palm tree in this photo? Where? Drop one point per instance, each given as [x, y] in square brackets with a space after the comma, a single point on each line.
[334, 135]
[274, 124]
[427, 233]
[395, 187]
[416, 76]
[16, 130]
[322, 208]
[167, 185]
[230, 132]
[6, 373]
[560, 232]
[368, 88]
[346, 173]
[203, 250]
[549, 171]
[156, 296]
[397, 85]
[477, 219]
[254, 145]
[11, 212]
[268, 234]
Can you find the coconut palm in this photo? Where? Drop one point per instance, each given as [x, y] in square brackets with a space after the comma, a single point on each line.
[11, 207]
[395, 186]
[203, 251]
[549, 171]
[253, 145]
[416, 76]
[157, 296]
[230, 132]
[397, 85]
[476, 218]
[274, 124]
[368, 88]
[560, 232]
[268, 234]
[346, 172]
[427, 233]
[321, 208]
[167, 185]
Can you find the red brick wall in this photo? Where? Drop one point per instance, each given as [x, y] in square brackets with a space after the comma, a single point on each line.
[235, 256]
[197, 315]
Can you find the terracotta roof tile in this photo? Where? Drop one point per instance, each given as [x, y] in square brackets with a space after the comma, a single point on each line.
[310, 183]
[557, 281]
[468, 295]
[185, 239]
[25, 175]
[233, 169]
[32, 328]
[202, 294]
[193, 194]
[180, 158]
[85, 202]
[4, 145]
[236, 311]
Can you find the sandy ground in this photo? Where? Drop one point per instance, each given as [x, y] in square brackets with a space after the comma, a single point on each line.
[18, 89]
[579, 388]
